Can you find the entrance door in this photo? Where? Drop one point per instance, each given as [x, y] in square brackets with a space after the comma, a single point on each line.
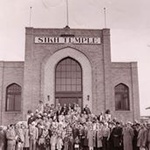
[68, 100]
[68, 82]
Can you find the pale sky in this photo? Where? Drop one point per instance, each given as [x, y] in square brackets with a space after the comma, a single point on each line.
[128, 20]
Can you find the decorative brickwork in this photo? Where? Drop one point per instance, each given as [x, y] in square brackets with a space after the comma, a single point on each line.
[36, 75]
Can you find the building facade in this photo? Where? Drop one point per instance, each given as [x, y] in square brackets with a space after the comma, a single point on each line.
[68, 66]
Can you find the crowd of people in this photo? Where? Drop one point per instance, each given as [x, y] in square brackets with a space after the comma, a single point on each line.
[72, 128]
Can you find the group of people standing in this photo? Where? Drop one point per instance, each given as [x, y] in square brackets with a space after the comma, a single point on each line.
[72, 128]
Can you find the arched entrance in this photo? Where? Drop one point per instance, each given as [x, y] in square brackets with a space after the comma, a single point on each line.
[48, 86]
[68, 82]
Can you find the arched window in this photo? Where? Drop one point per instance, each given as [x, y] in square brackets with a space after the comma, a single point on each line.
[13, 97]
[122, 97]
[68, 76]
[68, 82]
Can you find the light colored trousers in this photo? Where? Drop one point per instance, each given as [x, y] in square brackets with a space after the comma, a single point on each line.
[11, 145]
[32, 144]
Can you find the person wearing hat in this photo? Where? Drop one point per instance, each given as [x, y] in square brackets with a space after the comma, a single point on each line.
[106, 133]
[110, 144]
[33, 136]
[11, 137]
[84, 138]
[142, 138]
[97, 135]
[20, 134]
[128, 135]
[117, 137]
[136, 128]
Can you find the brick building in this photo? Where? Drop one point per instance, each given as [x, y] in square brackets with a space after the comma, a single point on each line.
[68, 66]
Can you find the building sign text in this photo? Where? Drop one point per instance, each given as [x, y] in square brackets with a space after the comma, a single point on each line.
[74, 40]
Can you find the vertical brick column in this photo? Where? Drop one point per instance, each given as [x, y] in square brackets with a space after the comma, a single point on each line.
[28, 72]
[107, 68]
[135, 91]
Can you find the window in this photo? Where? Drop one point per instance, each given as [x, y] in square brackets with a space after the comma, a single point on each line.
[121, 97]
[68, 76]
[13, 97]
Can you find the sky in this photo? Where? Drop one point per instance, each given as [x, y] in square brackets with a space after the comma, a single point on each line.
[129, 23]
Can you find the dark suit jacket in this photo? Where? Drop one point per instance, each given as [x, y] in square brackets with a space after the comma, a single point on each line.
[117, 136]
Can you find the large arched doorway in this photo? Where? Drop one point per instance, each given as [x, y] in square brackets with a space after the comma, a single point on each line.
[48, 73]
[68, 82]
